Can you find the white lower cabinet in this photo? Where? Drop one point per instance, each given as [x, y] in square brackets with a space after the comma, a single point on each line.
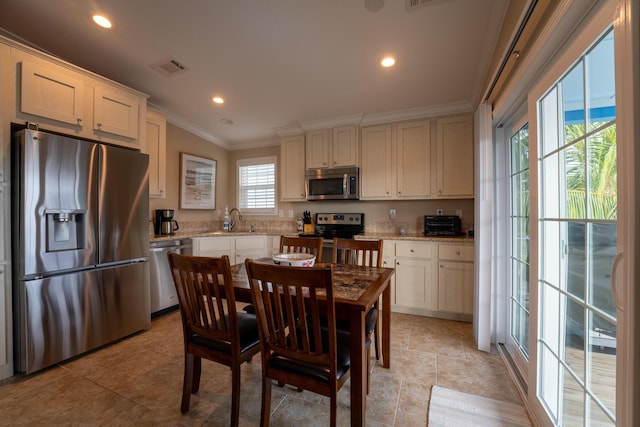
[455, 278]
[237, 248]
[431, 279]
[250, 247]
[415, 286]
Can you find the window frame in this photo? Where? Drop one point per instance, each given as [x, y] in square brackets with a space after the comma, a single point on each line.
[254, 161]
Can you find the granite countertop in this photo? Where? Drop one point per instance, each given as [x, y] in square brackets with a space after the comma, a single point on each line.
[188, 235]
[367, 235]
[415, 237]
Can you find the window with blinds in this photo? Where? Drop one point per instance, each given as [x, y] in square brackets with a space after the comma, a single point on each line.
[257, 186]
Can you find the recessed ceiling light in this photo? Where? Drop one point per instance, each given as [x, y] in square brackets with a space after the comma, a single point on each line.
[102, 21]
[218, 99]
[388, 61]
[373, 5]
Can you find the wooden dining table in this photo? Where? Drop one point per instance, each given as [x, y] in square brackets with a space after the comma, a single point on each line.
[356, 289]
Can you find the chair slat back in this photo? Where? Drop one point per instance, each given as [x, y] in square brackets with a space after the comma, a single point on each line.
[357, 252]
[309, 245]
[203, 301]
[291, 303]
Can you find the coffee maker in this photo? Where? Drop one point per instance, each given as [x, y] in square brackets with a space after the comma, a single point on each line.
[165, 224]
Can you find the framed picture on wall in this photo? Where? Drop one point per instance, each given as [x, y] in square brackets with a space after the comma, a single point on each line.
[197, 182]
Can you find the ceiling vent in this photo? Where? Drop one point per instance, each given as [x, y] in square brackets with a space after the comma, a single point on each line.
[415, 4]
[170, 67]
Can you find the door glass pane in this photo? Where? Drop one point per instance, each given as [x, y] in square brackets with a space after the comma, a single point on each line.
[573, 103]
[574, 339]
[602, 171]
[600, 83]
[578, 242]
[549, 127]
[572, 401]
[519, 290]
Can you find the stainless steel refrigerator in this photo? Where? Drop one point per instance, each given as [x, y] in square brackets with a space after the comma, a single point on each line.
[80, 246]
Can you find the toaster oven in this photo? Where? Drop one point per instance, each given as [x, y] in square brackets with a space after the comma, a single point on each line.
[442, 225]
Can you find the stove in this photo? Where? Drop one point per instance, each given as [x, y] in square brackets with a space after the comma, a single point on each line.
[342, 225]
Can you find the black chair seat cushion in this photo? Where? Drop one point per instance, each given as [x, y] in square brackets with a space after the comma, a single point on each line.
[249, 337]
[316, 372]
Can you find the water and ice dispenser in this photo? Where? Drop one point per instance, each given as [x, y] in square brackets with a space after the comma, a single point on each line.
[66, 230]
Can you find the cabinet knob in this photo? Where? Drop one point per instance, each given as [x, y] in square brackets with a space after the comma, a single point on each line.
[397, 262]
[99, 125]
[161, 191]
[399, 192]
[411, 250]
[440, 191]
[387, 192]
[79, 120]
[458, 253]
[441, 265]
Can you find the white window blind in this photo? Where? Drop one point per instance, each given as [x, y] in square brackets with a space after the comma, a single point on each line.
[257, 185]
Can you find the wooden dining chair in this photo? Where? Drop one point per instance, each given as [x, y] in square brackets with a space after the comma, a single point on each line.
[211, 326]
[363, 253]
[300, 345]
[310, 245]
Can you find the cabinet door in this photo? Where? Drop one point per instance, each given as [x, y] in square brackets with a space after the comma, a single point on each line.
[115, 112]
[345, 146]
[455, 287]
[413, 281]
[155, 147]
[292, 153]
[455, 157]
[377, 180]
[52, 92]
[414, 160]
[318, 149]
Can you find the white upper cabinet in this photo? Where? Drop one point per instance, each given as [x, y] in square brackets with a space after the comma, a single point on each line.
[377, 174]
[115, 111]
[51, 91]
[414, 159]
[399, 161]
[156, 148]
[292, 156]
[317, 149]
[60, 97]
[455, 157]
[332, 148]
[345, 147]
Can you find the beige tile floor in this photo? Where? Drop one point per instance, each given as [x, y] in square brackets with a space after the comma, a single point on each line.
[138, 381]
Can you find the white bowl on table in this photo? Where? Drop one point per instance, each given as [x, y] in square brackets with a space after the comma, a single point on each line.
[294, 259]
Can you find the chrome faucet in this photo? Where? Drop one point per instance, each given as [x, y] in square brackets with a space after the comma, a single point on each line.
[232, 224]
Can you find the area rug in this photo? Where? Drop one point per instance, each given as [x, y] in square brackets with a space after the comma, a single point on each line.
[454, 408]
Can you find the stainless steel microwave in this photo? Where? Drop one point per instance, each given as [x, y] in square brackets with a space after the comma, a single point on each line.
[333, 184]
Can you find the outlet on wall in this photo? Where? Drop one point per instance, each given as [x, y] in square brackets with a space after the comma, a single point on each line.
[392, 214]
[290, 213]
[439, 212]
[280, 213]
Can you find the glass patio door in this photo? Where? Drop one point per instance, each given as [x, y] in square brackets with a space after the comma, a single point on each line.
[577, 235]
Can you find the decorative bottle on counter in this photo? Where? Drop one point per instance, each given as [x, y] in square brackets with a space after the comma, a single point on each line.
[226, 222]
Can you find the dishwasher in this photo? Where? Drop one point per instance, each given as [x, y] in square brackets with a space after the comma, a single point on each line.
[162, 290]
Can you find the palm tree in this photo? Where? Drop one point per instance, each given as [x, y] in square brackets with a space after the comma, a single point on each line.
[591, 163]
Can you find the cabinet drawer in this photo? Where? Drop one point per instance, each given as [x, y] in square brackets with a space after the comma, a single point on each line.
[414, 250]
[214, 244]
[257, 243]
[456, 252]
